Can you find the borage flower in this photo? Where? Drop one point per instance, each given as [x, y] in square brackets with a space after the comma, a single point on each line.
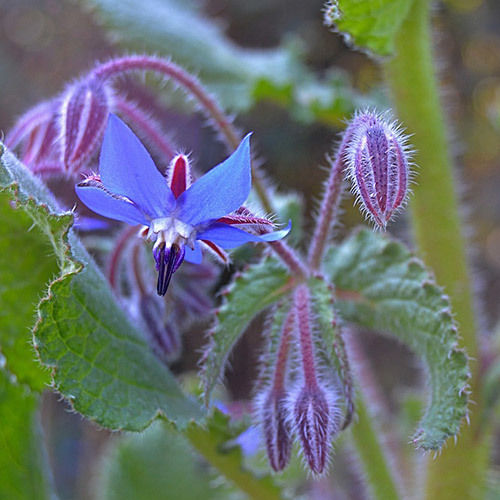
[177, 216]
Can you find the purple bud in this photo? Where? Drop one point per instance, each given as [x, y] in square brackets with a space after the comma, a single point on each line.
[84, 114]
[315, 420]
[377, 157]
[163, 336]
[271, 408]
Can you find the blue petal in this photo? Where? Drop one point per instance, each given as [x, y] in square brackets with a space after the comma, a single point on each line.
[194, 256]
[220, 191]
[126, 168]
[103, 203]
[229, 237]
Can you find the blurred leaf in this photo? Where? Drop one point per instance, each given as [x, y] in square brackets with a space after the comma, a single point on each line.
[370, 24]
[238, 76]
[381, 285]
[22, 474]
[100, 362]
[255, 289]
[159, 464]
[216, 444]
[26, 268]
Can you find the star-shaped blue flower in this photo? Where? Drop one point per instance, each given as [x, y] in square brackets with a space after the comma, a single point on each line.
[177, 216]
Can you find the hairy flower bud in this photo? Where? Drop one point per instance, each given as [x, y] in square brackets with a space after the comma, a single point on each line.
[272, 414]
[377, 158]
[84, 114]
[315, 419]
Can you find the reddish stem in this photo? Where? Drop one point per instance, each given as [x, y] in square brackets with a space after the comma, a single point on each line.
[284, 347]
[290, 258]
[329, 205]
[305, 336]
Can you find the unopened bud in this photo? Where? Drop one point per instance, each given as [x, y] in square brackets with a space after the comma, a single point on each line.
[377, 157]
[315, 420]
[163, 336]
[272, 414]
[84, 114]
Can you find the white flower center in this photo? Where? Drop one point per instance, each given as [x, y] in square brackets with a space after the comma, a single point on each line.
[169, 230]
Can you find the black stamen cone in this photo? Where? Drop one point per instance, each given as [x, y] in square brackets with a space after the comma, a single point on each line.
[166, 268]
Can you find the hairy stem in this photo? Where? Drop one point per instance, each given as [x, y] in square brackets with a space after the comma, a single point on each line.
[194, 88]
[290, 259]
[305, 336]
[329, 205]
[282, 358]
[438, 232]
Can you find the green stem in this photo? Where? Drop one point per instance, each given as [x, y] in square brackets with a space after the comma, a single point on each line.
[438, 232]
[229, 465]
[371, 455]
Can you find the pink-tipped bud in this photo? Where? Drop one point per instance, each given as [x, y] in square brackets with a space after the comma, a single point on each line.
[315, 420]
[377, 155]
[277, 432]
[179, 174]
[84, 114]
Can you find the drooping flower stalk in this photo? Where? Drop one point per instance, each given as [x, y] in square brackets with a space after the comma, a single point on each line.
[193, 87]
[313, 406]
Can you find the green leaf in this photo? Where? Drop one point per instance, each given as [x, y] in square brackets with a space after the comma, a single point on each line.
[22, 475]
[255, 289]
[371, 25]
[214, 443]
[330, 342]
[25, 271]
[381, 285]
[159, 464]
[238, 76]
[99, 361]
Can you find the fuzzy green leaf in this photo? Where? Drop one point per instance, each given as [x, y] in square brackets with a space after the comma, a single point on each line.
[238, 76]
[371, 25]
[381, 285]
[100, 362]
[22, 475]
[258, 287]
[158, 464]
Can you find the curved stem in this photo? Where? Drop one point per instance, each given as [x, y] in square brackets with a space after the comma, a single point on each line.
[329, 205]
[194, 88]
[149, 127]
[438, 232]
